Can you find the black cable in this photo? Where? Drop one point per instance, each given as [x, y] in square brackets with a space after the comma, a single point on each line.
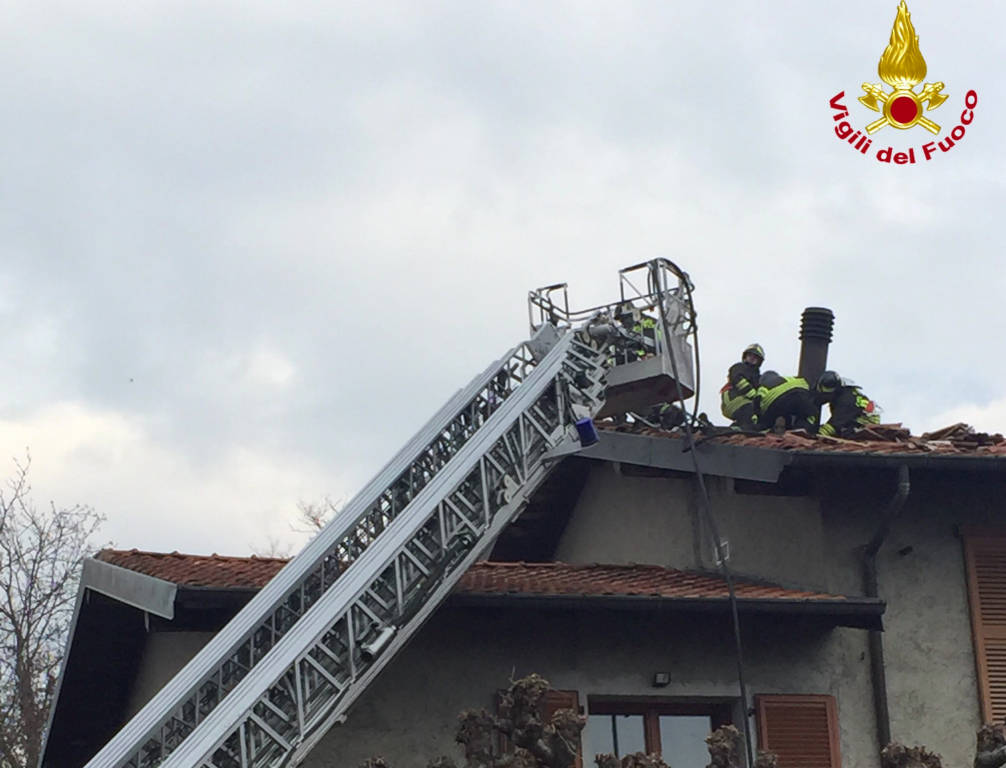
[695, 343]
[707, 512]
[693, 331]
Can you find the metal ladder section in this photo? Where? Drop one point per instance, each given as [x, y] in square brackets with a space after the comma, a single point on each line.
[289, 665]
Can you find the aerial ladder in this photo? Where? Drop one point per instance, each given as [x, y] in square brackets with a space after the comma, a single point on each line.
[291, 663]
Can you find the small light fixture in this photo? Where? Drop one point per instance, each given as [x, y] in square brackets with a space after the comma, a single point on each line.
[370, 651]
[661, 679]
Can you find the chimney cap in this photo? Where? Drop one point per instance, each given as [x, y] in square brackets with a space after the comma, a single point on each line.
[817, 323]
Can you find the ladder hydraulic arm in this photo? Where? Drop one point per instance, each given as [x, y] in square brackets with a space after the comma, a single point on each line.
[294, 659]
[289, 665]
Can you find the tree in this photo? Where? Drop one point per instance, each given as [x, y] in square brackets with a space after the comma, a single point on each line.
[315, 515]
[41, 551]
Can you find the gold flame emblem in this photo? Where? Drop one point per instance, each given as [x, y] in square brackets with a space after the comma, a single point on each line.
[902, 67]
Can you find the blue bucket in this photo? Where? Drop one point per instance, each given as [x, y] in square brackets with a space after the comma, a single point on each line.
[587, 431]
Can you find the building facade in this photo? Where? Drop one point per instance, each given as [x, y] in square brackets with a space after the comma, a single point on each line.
[868, 577]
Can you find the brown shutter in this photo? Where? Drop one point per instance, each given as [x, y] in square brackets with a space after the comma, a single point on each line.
[556, 700]
[801, 730]
[984, 553]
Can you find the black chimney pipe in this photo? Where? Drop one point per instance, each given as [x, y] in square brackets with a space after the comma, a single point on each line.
[816, 325]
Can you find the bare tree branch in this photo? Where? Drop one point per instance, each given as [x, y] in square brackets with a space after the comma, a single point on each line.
[40, 557]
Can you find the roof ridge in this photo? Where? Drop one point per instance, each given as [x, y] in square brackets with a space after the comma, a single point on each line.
[190, 556]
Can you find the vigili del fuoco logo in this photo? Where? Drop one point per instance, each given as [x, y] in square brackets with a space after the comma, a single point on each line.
[903, 68]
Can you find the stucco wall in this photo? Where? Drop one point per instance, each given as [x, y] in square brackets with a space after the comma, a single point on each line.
[464, 655]
[817, 541]
[621, 518]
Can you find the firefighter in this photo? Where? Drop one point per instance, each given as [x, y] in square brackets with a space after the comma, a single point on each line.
[628, 347]
[850, 408]
[667, 415]
[738, 397]
[646, 327]
[786, 403]
[639, 339]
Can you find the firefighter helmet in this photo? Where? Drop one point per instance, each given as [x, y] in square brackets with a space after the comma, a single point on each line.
[828, 382]
[754, 349]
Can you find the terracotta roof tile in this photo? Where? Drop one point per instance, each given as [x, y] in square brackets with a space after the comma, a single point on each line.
[621, 580]
[217, 571]
[883, 439]
[487, 578]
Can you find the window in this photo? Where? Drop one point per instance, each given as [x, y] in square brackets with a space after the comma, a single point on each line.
[801, 730]
[983, 552]
[676, 731]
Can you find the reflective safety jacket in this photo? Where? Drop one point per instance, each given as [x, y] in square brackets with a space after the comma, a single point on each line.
[646, 327]
[741, 388]
[850, 409]
[774, 386]
[787, 398]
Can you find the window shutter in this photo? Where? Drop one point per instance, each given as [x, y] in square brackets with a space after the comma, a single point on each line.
[556, 700]
[801, 730]
[987, 595]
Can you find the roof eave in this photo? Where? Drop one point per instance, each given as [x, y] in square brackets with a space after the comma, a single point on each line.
[857, 612]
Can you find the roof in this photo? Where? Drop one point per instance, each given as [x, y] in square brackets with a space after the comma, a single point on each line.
[213, 571]
[484, 578]
[883, 439]
[626, 580]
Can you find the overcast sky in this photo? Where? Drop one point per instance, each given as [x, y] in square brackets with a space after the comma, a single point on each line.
[248, 248]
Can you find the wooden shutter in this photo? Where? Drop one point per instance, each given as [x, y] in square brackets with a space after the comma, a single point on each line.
[801, 730]
[986, 560]
[556, 700]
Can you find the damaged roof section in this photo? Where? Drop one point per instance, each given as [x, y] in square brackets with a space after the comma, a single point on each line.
[763, 457]
[955, 440]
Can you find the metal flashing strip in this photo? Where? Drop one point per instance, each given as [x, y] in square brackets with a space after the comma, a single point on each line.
[665, 453]
[762, 463]
[147, 593]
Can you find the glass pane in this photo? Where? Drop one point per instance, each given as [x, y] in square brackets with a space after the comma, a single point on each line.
[597, 737]
[683, 740]
[629, 730]
[617, 735]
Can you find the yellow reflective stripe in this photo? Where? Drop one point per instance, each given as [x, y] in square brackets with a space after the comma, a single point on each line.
[731, 405]
[775, 392]
[827, 430]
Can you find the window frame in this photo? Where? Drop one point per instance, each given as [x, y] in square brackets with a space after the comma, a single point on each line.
[719, 710]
